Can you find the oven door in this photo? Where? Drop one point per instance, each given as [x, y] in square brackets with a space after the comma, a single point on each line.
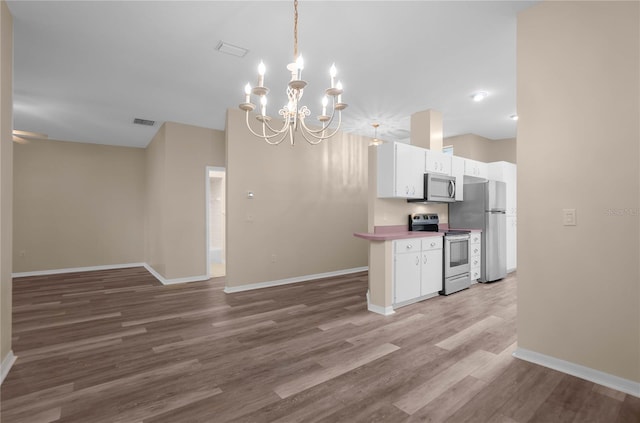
[456, 255]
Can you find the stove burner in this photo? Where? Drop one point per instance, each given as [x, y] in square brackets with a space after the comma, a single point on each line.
[426, 222]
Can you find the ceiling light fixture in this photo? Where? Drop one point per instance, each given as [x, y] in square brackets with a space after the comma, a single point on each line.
[375, 140]
[292, 114]
[479, 96]
[513, 117]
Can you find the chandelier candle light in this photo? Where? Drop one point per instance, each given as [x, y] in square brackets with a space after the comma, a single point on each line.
[293, 115]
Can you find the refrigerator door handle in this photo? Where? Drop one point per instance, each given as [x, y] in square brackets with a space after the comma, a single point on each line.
[452, 189]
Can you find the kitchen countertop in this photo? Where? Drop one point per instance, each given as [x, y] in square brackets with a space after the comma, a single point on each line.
[389, 233]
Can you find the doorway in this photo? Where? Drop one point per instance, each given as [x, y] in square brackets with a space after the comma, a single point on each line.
[216, 221]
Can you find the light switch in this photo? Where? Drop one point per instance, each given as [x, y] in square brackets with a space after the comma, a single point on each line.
[569, 217]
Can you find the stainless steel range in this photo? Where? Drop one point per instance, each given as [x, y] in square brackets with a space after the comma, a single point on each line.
[456, 262]
[456, 266]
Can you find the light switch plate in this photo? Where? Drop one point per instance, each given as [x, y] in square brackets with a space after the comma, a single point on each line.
[569, 217]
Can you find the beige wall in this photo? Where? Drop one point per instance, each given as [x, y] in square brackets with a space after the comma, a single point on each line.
[578, 147]
[486, 150]
[177, 159]
[77, 205]
[6, 178]
[190, 150]
[155, 195]
[309, 200]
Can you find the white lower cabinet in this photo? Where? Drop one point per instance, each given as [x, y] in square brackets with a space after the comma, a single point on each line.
[417, 269]
[407, 276]
[431, 275]
[475, 253]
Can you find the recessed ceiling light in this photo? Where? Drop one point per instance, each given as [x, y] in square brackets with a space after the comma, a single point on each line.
[479, 96]
[513, 117]
[224, 47]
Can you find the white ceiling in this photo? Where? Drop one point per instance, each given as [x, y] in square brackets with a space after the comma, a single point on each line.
[84, 70]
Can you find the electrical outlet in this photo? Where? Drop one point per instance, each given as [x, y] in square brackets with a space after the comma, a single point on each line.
[23, 253]
[273, 258]
[249, 217]
[569, 217]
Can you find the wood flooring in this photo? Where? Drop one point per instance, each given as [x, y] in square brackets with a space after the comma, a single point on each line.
[117, 346]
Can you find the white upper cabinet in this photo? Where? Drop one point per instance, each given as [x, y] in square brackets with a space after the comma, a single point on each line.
[438, 162]
[457, 170]
[475, 170]
[400, 171]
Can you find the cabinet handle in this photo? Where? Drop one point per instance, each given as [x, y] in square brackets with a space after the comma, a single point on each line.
[407, 189]
[475, 251]
[425, 259]
[417, 260]
[433, 244]
[409, 247]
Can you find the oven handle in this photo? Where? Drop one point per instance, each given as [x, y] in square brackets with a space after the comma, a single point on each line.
[452, 189]
[463, 276]
[456, 237]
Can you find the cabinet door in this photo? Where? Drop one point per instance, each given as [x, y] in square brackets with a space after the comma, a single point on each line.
[431, 276]
[406, 277]
[475, 169]
[457, 170]
[409, 171]
[438, 163]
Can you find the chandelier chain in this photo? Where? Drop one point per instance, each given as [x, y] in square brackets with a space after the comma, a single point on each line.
[295, 30]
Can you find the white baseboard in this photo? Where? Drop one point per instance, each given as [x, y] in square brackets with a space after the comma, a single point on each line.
[385, 311]
[269, 284]
[166, 281]
[76, 270]
[596, 376]
[158, 276]
[6, 365]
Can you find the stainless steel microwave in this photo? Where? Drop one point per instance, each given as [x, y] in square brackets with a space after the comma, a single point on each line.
[437, 189]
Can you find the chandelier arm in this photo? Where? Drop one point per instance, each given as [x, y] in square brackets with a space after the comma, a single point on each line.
[285, 126]
[328, 123]
[282, 138]
[264, 134]
[314, 132]
[315, 141]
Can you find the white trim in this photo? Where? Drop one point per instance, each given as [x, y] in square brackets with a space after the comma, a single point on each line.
[207, 196]
[385, 311]
[166, 281]
[76, 270]
[207, 212]
[596, 376]
[150, 269]
[6, 365]
[269, 284]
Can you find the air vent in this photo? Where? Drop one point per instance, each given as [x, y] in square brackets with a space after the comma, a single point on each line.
[224, 47]
[145, 122]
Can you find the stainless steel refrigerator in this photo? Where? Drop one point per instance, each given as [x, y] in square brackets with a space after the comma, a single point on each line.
[484, 208]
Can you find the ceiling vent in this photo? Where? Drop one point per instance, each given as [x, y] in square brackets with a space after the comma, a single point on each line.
[145, 122]
[224, 47]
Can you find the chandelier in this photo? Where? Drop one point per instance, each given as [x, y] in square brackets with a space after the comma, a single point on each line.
[293, 114]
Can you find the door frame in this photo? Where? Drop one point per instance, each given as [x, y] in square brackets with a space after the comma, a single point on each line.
[207, 189]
